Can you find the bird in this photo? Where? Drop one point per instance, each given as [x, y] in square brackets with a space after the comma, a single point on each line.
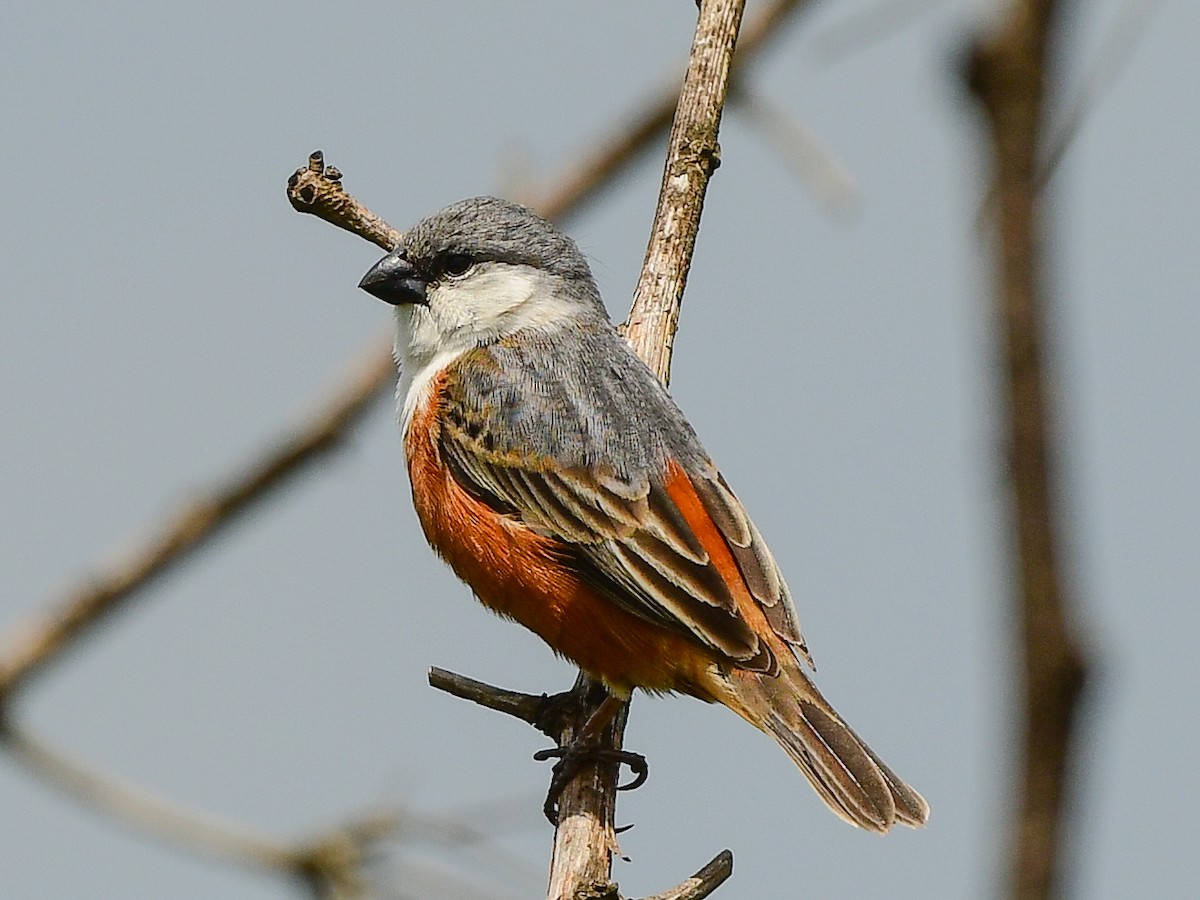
[558, 478]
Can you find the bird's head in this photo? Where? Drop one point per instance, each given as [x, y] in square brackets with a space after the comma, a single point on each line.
[481, 270]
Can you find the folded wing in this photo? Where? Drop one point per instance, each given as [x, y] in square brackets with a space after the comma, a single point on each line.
[672, 546]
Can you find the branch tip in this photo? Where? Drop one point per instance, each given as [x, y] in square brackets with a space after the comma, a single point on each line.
[715, 873]
[317, 189]
[526, 707]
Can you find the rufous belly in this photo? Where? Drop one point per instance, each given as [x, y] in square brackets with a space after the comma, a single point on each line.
[521, 575]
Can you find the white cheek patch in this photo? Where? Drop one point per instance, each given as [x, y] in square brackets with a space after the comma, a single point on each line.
[496, 300]
[480, 301]
[491, 302]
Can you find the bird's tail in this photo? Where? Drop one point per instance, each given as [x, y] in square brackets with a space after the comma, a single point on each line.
[848, 776]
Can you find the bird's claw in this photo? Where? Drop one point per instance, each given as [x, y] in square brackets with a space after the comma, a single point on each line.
[571, 759]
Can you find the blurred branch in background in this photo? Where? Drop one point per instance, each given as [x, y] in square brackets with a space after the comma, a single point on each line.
[1100, 74]
[38, 642]
[597, 170]
[1007, 72]
[821, 171]
[330, 864]
[861, 29]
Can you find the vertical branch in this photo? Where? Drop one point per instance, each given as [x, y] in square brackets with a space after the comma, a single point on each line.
[596, 170]
[585, 837]
[693, 154]
[1007, 73]
[586, 814]
[317, 189]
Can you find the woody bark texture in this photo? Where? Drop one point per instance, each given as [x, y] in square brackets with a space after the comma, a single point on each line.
[693, 154]
[1007, 73]
[585, 840]
[585, 837]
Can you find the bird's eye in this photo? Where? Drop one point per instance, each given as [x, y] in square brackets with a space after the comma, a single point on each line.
[456, 264]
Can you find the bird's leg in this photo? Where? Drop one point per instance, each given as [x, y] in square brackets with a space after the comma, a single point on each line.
[582, 749]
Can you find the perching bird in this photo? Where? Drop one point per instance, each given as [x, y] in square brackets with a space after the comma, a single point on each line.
[557, 477]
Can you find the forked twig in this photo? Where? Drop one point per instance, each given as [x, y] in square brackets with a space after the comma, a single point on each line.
[329, 862]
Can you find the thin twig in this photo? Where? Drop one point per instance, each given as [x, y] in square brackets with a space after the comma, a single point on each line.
[704, 882]
[595, 171]
[1098, 78]
[334, 866]
[317, 190]
[585, 840]
[803, 151]
[512, 703]
[143, 809]
[335, 858]
[1007, 72]
[863, 27]
[693, 154]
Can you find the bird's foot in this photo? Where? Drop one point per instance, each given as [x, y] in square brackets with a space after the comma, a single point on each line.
[572, 758]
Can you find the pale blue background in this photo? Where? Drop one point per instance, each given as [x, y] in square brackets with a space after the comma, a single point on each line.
[166, 314]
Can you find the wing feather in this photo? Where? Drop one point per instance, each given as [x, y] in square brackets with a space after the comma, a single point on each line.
[594, 501]
[754, 560]
[699, 581]
[646, 543]
[557, 513]
[666, 522]
[713, 626]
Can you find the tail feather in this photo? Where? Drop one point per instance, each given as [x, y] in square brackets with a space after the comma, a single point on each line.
[844, 771]
[911, 808]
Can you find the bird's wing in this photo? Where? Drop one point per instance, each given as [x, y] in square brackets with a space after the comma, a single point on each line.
[674, 547]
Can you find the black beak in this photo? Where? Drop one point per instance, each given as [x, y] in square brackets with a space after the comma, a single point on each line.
[394, 280]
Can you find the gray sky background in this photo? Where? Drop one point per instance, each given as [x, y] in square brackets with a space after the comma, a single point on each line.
[166, 314]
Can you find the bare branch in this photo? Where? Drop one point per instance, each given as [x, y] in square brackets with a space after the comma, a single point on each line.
[512, 703]
[317, 189]
[1097, 80]
[1007, 73]
[595, 171]
[704, 882]
[858, 30]
[585, 840]
[693, 154]
[143, 809]
[331, 864]
[334, 866]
